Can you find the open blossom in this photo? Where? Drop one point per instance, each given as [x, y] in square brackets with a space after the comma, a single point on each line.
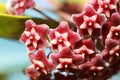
[66, 59]
[92, 67]
[89, 22]
[86, 48]
[18, 7]
[62, 36]
[114, 33]
[105, 6]
[111, 51]
[114, 20]
[115, 51]
[39, 56]
[34, 35]
[35, 69]
[111, 43]
[40, 64]
[32, 73]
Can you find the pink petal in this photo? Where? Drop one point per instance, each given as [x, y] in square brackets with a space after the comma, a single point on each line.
[113, 6]
[29, 24]
[83, 26]
[107, 13]
[63, 27]
[110, 43]
[66, 53]
[93, 18]
[34, 44]
[98, 26]
[33, 31]
[89, 10]
[20, 11]
[27, 33]
[51, 34]
[27, 42]
[77, 18]
[67, 43]
[100, 10]
[60, 47]
[57, 34]
[54, 41]
[85, 17]
[40, 56]
[107, 1]
[65, 35]
[73, 37]
[90, 31]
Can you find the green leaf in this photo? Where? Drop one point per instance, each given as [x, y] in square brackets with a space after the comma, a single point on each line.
[12, 26]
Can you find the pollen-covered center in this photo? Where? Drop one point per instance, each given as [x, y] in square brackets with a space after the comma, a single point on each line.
[39, 66]
[106, 6]
[90, 23]
[116, 35]
[60, 40]
[33, 38]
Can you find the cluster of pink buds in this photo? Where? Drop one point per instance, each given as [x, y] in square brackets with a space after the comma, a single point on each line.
[90, 53]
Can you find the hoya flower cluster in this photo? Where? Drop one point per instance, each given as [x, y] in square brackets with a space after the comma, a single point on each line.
[90, 53]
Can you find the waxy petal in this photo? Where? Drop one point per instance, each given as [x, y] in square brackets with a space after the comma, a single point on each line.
[83, 26]
[87, 20]
[34, 35]
[93, 18]
[66, 53]
[62, 36]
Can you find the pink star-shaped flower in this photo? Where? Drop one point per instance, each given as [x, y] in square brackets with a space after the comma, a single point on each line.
[115, 51]
[105, 6]
[85, 48]
[94, 61]
[114, 20]
[40, 60]
[111, 43]
[66, 59]
[18, 7]
[62, 36]
[36, 69]
[34, 35]
[89, 22]
[112, 50]
[31, 72]
[84, 51]
[114, 33]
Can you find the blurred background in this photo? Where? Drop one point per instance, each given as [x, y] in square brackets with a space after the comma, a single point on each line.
[13, 54]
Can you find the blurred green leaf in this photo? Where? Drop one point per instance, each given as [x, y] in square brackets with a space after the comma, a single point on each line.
[12, 26]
